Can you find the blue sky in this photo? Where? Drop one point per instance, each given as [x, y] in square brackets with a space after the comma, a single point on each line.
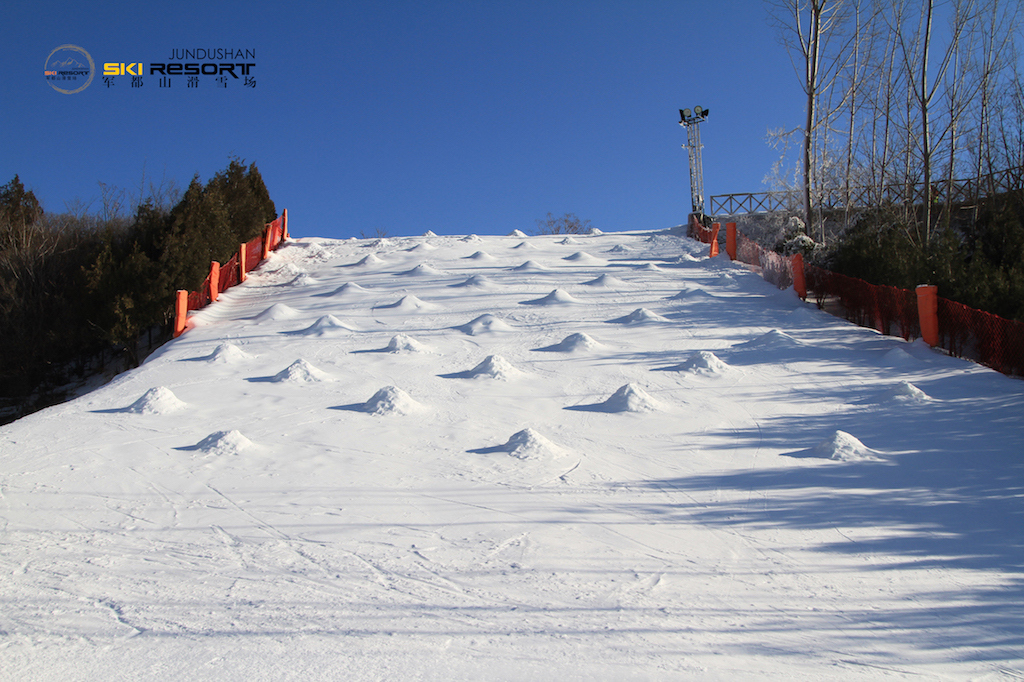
[451, 116]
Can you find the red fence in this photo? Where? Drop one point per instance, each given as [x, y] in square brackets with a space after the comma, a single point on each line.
[890, 310]
[708, 235]
[248, 258]
[991, 340]
[964, 332]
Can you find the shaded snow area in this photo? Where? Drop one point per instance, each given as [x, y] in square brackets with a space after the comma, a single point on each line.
[518, 458]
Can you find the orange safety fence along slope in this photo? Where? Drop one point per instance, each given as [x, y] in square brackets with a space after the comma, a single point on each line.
[221, 278]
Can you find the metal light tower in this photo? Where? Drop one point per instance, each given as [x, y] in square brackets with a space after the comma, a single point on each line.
[691, 120]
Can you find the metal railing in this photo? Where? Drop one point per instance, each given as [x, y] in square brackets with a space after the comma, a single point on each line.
[957, 192]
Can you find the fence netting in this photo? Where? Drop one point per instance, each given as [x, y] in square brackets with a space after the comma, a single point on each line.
[200, 299]
[231, 272]
[991, 340]
[253, 253]
[698, 231]
[963, 331]
[228, 274]
[775, 267]
[890, 310]
[275, 234]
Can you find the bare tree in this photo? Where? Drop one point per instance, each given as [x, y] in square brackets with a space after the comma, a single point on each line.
[916, 50]
[994, 72]
[814, 33]
[112, 201]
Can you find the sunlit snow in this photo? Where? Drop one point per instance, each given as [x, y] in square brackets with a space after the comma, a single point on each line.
[451, 458]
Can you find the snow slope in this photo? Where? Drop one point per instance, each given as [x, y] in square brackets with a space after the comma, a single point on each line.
[445, 458]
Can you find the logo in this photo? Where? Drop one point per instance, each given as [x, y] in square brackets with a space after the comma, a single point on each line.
[69, 69]
[120, 69]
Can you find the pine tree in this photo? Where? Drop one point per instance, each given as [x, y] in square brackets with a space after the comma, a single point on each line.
[246, 198]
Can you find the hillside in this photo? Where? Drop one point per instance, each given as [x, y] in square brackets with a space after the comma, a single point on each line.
[586, 457]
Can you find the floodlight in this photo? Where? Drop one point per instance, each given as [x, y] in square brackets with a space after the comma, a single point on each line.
[691, 119]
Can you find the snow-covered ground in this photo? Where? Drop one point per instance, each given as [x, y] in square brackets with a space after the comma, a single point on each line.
[572, 458]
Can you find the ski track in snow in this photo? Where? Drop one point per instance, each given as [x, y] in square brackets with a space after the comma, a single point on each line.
[401, 459]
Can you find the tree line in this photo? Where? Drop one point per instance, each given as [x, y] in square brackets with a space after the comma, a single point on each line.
[912, 148]
[81, 290]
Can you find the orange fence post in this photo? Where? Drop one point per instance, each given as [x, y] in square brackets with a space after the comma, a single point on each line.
[730, 240]
[284, 224]
[928, 312]
[180, 312]
[799, 283]
[241, 262]
[266, 241]
[214, 280]
[715, 227]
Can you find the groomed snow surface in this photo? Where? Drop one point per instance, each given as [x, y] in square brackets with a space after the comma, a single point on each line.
[401, 459]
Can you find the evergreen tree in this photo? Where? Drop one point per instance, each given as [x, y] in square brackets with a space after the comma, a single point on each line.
[125, 284]
[198, 234]
[70, 288]
[248, 203]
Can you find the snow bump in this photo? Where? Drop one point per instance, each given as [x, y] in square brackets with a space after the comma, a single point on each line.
[477, 281]
[403, 343]
[409, 304]
[574, 343]
[903, 392]
[226, 354]
[529, 266]
[690, 294]
[485, 324]
[222, 443]
[278, 311]
[628, 398]
[898, 357]
[348, 289]
[326, 324]
[368, 261]
[773, 340]
[527, 444]
[842, 447]
[159, 400]
[301, 372]
[303, 279]
[584, 258]
[639, 316]
[703, 362]
[631, 398]
[492, 367]
[422, 270]
[607, 281]
[390, 400]
[556, 297]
